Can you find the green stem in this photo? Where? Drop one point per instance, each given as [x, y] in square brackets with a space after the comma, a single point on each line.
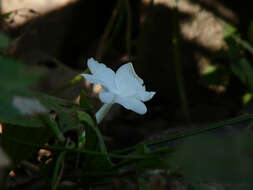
[129, 27]
[54, 127]
[101, 113]
[56, 170]
[178, 67]
[77, 150]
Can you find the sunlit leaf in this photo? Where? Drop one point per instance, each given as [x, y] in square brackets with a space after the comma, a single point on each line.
[229, 30]
[246, 98]
[215, 76]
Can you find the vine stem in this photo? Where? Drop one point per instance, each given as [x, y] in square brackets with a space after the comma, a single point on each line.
[58, 171]
[59, 135]
[189, 133]
[178, 66]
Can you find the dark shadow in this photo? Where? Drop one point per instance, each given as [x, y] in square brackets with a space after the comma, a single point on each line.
[72, 34]
[69, 33]
[156, 63]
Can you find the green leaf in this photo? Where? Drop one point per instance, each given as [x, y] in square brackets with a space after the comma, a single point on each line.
[6, 15]
[84, 102]
[94, 141]
[198, 186]
[244, 71]
[142, 149]
[223, 159]
[81, 139]
[14, 139]
[87, 118]
[4, 41]
[215, 76]
[65, 110]
[151, 163]
[237, 69]
[229, 30]
[156, 159]
[246, 98]
[54, 103]
[68, 119]
[57, 169]
[11, 115]
[143, 185]
[250, 32]
[15, 76]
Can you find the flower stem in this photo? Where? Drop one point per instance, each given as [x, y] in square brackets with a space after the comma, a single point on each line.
[101, 113]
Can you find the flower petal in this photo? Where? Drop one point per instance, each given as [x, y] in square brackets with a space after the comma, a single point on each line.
[127, 81]
[106, 97]
[145, 95]
[103, 73]
[131, 104]
[91, 78]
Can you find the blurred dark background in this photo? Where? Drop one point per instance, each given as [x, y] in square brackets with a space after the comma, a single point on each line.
[170, 44]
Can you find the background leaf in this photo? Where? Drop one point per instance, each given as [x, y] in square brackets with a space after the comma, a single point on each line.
[250, 32]
[95, 140]
[18, 141]
[244, 70]
[84, 102]
[14, 75]
[4, 41]
[143, 185]
[222, 159]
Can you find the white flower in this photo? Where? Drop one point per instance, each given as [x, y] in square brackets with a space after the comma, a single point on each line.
[123, 87]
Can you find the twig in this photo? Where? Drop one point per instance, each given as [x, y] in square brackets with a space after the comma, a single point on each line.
[129, 27]
[178, 67]
[102, 45]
